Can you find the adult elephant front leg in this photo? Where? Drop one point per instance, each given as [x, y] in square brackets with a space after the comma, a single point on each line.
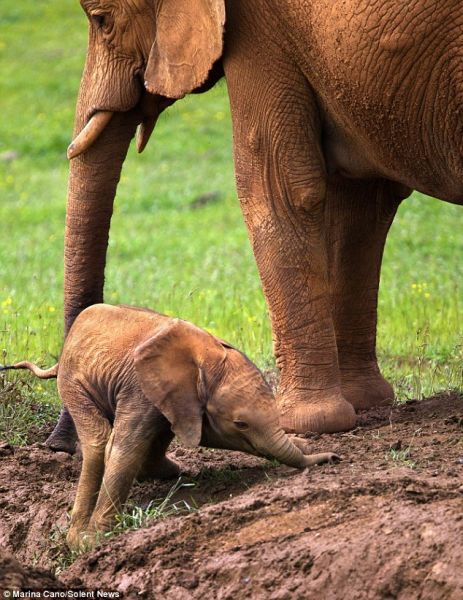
[358, 217]
[93, 180]
[281, 184]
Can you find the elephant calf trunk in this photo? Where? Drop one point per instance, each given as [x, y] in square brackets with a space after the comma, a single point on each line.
[319, 459]
[50, 373]
[283, 449]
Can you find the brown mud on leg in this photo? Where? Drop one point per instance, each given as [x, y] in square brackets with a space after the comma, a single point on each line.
[94, 432]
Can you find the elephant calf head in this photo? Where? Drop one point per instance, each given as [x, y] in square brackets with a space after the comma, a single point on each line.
[212, 394]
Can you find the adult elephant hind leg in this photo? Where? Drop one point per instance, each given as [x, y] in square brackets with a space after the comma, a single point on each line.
[281, 184]
[358, 217]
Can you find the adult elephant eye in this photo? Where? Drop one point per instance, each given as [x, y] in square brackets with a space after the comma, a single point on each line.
[98, 20]
[241, 425]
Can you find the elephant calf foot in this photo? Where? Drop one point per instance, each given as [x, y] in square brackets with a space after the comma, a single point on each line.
[81, 540]
[366, 390]
[161, 469]
[321, 415]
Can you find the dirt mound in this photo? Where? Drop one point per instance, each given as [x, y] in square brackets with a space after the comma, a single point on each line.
[385, 523]
[36, 494]
[329, 546]
[13, 576]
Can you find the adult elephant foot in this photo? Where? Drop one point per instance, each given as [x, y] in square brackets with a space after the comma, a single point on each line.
[320, 415]
[64, 436]
[366, 390]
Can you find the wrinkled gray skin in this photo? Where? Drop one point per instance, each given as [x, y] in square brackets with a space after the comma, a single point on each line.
[131, 379]
[339, 110]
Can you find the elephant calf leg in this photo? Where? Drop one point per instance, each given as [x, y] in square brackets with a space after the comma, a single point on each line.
[129, 446]
[156, 464]
[161, 468]
[94, 431]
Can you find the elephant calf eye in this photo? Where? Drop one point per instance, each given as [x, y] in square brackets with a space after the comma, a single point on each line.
[241, 425]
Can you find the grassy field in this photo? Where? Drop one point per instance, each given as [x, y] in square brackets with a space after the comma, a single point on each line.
[167, 250]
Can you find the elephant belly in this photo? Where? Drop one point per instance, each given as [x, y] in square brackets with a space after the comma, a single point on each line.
[389, 78]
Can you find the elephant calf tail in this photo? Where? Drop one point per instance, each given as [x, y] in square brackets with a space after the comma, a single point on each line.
[50, 373]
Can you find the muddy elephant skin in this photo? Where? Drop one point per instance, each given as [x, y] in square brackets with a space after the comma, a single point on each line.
[339, 110]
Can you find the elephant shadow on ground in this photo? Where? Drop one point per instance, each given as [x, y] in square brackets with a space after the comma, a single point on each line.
[208, 476]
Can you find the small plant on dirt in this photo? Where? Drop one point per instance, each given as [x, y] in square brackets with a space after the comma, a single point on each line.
[228, 474]
[269, 467]
[271, 463]
[136, 517]
[61, 555]
[132, 518]
[403, 456]
[233, 474]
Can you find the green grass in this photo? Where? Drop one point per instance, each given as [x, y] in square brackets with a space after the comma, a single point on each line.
[191, 262]
[131, 518]
[24, 411]
[135, 517]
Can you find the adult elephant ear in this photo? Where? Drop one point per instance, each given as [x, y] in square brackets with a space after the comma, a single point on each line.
[178, 368]
[189, 39]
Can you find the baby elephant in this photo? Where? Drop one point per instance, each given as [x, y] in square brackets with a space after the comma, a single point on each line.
[132, 379]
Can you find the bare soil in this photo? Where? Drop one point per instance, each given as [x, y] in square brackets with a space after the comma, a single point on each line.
[385, 523]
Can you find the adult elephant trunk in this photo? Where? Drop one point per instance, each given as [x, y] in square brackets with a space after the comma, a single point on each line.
[280, 446]
[93, 180]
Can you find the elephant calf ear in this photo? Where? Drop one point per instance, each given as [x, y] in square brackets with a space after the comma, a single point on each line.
[189, 39]
[168, 372]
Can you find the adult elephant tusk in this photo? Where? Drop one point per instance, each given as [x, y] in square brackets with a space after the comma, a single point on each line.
[144, 132]
[89, 133]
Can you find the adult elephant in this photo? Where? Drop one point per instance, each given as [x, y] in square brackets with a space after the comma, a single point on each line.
[339, 110]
